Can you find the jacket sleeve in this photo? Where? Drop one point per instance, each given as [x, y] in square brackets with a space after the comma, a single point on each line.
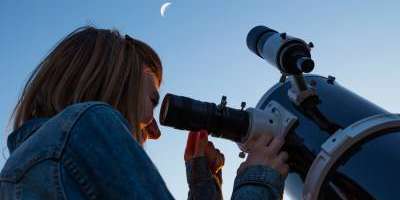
[258, 183]
[202, 184]
[105, 160]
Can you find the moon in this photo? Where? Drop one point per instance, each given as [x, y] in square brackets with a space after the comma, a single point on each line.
[164, 8]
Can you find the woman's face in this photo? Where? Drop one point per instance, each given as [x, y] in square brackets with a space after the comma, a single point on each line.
[150, 100]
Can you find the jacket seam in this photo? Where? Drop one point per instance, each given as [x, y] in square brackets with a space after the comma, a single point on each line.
[57, 183]
[18, 191]
[80, 178]
[62, 188]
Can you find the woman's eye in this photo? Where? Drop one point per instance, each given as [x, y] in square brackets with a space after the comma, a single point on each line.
[154, 100]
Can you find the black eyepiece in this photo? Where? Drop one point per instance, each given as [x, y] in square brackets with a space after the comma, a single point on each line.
[305, 64]
[188, 114]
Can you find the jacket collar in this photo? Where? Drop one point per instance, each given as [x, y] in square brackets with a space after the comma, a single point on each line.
[18, 136]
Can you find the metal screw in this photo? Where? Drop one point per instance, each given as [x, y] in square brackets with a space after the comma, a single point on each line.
[331, 79]
[242, 154]
[242, 105]
[223, 101]
[283, 78]
[283, 36]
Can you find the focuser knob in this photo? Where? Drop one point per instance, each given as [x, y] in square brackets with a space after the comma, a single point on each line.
[242, 105]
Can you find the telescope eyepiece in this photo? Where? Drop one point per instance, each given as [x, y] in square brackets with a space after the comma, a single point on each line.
[305, 64]
[289, 54]
[188, 114]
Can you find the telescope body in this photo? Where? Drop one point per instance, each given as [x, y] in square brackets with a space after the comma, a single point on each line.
[357, 159]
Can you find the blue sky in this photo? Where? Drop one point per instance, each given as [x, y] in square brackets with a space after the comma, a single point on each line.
[203, 49]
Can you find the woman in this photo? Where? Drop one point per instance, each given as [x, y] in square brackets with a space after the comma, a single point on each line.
[83, 117]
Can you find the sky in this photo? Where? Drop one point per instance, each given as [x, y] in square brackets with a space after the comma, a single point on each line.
[204, 54]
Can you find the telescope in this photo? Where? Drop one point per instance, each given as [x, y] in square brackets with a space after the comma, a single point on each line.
[341, 145]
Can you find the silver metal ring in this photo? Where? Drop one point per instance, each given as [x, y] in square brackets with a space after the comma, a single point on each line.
[337, 145]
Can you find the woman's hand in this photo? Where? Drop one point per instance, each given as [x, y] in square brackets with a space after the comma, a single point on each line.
[198, 145]
[203, 167]
[265, 150]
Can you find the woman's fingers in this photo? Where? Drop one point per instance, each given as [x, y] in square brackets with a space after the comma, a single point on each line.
[261, 141]
[283, 156]
[221, 155]
[266, 150]
[196, 144]
[284, 170]
[280, 163]
[275, 146]
[215, 158]
[219, 160]
[201, 144]
[190, 145]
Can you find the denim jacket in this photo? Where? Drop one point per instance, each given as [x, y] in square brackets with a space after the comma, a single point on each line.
[87, 152]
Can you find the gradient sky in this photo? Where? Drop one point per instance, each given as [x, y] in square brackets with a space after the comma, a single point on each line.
[202, 46]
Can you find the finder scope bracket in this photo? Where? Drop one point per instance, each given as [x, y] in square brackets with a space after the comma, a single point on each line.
[274, 119]
[300, 90]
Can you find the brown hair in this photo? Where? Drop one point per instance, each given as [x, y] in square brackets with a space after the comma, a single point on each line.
[90, 64]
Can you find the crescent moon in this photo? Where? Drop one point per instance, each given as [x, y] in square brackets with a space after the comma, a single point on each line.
[164, 8]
